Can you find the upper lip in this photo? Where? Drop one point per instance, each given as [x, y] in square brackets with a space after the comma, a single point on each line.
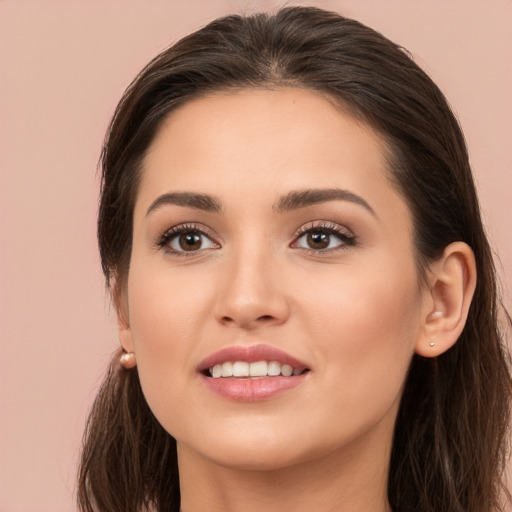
[250, 354]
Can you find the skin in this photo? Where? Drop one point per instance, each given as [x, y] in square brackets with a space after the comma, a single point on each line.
[354, 313]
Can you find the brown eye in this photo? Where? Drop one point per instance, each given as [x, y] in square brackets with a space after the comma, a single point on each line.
[190, 241]
[324, 238]
[318, 239]
[184, 239]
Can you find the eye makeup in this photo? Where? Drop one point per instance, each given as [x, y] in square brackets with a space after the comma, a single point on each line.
[317, 237]
[186, 240]
[324, 237]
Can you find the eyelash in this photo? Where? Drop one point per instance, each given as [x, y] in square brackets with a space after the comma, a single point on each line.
[346, 238]
[164, 240]
[344, 235]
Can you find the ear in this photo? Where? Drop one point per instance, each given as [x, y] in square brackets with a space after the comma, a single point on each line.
[120, 301]
[452, 282]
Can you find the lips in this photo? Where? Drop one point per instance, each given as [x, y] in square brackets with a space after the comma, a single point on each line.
[251, 373]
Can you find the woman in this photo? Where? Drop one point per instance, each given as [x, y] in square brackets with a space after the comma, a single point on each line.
[306, 298]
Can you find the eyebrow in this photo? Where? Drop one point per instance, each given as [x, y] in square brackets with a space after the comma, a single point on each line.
[303, 198]
[190, 199]
[292, 201]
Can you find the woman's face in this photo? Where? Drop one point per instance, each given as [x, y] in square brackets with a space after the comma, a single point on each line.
[266, 231]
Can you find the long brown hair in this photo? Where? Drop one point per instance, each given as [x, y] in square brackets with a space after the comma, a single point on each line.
[448, 452]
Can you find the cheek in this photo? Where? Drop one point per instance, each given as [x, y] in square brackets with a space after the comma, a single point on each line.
[165, 316]
[365, 330]
[164, 309]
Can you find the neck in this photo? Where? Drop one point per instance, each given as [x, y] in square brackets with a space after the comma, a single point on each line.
[350, 480]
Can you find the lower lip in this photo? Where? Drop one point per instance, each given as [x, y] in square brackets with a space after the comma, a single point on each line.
[252, 389]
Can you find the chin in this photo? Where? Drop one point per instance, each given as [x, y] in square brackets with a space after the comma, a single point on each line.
[256, 458]
[261, 450]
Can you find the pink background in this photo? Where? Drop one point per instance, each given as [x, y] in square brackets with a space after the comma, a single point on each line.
[64, 66]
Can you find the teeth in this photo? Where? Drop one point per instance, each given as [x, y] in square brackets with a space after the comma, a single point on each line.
[240, 369]
[257, 369]
[274, 368]
[286, 370]
[227, 369]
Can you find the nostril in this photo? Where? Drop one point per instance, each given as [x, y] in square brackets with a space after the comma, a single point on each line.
[262, 318]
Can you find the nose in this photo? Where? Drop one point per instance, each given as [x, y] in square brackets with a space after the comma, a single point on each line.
[252, 294]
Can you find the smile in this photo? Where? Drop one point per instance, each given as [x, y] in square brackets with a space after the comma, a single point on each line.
[252, 373]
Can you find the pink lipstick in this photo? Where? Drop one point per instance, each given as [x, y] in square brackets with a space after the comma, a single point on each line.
[251, 373]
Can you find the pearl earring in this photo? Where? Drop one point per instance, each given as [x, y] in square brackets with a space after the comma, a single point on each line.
[127, 360]
[432, 344]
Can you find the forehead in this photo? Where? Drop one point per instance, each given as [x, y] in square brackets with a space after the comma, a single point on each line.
[259, 142]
